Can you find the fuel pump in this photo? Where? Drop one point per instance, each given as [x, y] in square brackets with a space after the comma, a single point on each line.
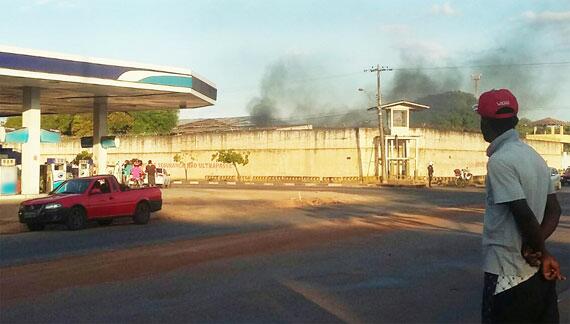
[84, 168]
[56, 172]
[8, 177]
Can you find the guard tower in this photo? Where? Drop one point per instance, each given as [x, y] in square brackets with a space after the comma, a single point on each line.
[402, 148]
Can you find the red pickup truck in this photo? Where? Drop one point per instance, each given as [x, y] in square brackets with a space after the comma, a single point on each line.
[99, 198]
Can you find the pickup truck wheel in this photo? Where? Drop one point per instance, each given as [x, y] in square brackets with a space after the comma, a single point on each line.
[142, 213]
[105, 222]
[76, 219]
[35, 227]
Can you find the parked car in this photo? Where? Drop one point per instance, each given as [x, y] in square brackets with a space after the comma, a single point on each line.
[99, 198]
[565, 177]
[555, 178]
[161, 179]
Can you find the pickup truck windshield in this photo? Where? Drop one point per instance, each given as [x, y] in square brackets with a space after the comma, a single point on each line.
[75, 186]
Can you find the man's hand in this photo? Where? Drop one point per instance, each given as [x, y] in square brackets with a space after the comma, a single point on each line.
[551, 267]
[532, 257]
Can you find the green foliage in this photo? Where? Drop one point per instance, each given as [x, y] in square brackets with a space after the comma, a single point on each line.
[184, 159]
[154, 122]
[451, 110]
[119, 123]
[13, 122]
[84, 155]
[61, 123]
[82, 125]
[231, 157]
[524, 128]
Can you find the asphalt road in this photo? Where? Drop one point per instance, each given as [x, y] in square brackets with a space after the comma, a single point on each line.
[57, 242]
[374, 255]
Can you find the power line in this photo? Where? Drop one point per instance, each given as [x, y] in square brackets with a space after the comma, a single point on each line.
[417, 68]
[457, 67]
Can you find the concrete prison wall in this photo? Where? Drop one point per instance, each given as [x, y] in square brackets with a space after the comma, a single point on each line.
[319, 153]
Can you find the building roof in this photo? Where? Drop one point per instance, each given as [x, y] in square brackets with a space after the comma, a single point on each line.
[230, 124]
[550, 122]
[405, 103]
[212, 124]
[70, 83]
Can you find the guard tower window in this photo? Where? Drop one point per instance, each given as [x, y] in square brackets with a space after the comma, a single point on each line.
[400, 118]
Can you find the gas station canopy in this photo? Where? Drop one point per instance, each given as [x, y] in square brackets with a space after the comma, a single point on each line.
[69, 84]
[34, 82]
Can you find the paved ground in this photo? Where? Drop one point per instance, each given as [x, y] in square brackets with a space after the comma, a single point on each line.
[262, 255]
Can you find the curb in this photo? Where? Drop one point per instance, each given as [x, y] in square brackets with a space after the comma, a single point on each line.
[302, 184]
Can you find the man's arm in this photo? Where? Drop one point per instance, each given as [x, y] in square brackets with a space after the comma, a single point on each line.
[551, 216]
[532, 235]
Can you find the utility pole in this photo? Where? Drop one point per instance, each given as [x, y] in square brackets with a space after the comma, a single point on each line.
[381, 146]
[476, 78]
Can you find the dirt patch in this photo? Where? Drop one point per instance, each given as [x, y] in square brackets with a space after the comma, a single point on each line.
[9, 222]
[217, 206]
[247, 206]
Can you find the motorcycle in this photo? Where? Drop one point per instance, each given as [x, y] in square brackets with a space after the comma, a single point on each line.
[462, 177]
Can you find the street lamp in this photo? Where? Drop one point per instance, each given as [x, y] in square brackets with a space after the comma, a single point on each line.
[370, 99]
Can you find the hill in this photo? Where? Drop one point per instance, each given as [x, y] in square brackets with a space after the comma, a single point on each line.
[451, 110]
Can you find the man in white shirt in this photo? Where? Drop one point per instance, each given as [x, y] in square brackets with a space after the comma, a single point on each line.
[521, 212]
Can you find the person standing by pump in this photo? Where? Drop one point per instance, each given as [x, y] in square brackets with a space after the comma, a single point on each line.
[151, 172]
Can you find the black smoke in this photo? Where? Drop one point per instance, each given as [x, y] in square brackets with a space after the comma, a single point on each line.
[505, 65]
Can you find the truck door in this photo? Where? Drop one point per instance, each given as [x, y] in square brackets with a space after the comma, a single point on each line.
[101, 200]
[119, 199]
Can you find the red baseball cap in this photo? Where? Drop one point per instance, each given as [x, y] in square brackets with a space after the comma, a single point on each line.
[491, 101]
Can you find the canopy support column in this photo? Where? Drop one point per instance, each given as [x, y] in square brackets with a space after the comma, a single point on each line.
[99, 130]
[31, 150]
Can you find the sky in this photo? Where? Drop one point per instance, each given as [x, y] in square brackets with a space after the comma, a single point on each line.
[305, 54]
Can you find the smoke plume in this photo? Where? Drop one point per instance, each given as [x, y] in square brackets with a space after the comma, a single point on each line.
[291, 94]
[501, 66]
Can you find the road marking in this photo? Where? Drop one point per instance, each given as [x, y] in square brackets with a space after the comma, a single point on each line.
[194, 182]
[268, 184]
[310, 184]
[213, 182]
[335, 184]
[288, 184]
[323, 299]
[231, 183]
[177, 182]
[249, 183]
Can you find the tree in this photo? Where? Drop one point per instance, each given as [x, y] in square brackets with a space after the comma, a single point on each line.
[119, 123]
[61, 123]
[154, 122]
[232, 157]
[84, 155]
[184, 159]
[524, 128]
[82, 125]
